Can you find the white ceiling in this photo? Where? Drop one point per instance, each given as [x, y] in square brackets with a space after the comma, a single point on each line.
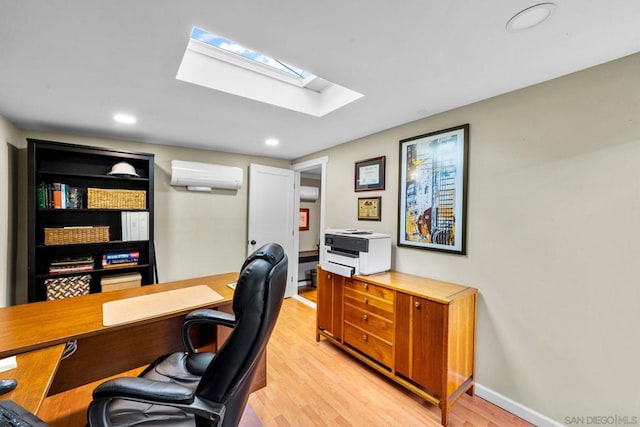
[69, 65]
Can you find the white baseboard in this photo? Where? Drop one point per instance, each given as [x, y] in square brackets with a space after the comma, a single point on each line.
[304, 301]
[527, 414]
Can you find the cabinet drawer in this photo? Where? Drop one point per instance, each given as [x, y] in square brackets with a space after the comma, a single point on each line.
[369, 322]
[368, 344]
[369, 289]
[370, 303]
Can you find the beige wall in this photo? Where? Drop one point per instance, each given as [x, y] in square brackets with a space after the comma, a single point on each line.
[196, 233]
[9, 141]
[553, 232]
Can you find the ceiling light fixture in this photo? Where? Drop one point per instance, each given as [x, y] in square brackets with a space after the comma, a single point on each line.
[272, 142]
[124, 118]
[530, 17]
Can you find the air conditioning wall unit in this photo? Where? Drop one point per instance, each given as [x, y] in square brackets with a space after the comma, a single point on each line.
[204, 176]
[308, 194]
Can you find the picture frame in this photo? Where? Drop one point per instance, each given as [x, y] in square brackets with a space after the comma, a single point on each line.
[304, 219]
[369, 208]
[432, 205]
[369, 174]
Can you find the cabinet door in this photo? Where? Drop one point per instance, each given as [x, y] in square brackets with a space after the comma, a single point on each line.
[325, 296]
[329, 307]
[420, 341]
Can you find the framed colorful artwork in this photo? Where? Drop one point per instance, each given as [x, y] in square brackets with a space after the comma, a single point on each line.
[433, 190]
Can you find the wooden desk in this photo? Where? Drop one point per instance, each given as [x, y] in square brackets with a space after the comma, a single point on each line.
[102, 351]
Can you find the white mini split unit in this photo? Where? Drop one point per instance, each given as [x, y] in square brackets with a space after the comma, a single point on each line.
[204, 176]
[308, 194]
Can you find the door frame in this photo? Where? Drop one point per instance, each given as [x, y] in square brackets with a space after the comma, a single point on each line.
[299, 168]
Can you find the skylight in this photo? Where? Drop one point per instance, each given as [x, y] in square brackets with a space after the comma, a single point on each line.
[260, 58]
[218, 63]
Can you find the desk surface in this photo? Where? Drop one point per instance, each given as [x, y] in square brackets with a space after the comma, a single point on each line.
[34, 373]
[38, 325]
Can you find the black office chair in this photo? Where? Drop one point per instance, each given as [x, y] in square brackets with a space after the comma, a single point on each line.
[203, 389]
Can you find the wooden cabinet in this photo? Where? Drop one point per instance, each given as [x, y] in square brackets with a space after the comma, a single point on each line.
[92, 200]
[417, 331]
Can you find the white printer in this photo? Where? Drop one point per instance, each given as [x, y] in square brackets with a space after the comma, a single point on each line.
[352, 251]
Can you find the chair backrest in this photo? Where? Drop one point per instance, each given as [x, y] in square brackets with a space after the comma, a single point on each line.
[256, 304]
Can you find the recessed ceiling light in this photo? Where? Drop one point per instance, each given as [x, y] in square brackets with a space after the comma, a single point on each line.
[530, 17]
[272, 142]
[124, 118]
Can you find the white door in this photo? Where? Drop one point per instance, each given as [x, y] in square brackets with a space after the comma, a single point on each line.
[271, 219]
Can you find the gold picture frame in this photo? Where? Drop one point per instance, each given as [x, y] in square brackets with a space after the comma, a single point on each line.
[369, 208]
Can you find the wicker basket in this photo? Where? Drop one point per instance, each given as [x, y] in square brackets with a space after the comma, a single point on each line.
[71, 235]
[101, 198]
[66, 287]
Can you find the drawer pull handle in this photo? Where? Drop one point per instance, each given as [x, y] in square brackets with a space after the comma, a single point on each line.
[366, 300]
[417, 304]
[329, 276]
[364, 337]
[365, 317]
[366, 286]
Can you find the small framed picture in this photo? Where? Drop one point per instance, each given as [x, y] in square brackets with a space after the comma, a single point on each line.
[369, 174]
[304, 219]
[369, 208]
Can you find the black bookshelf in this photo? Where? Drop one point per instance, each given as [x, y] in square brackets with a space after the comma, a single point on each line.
[84, 167]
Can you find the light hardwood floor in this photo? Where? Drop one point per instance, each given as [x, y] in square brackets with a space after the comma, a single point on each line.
[309, 293]
[315, 384]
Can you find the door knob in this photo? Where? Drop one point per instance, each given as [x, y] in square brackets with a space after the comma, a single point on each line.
[253, 242]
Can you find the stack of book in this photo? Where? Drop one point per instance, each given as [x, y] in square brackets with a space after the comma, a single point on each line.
[71, 265]
[135, 225]
[120, 259]
[59, 196]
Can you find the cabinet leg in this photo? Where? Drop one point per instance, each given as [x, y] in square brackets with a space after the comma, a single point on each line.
[471, 391]
[444, 412]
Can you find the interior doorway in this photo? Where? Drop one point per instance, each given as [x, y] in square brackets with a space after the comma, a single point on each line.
[310, 179]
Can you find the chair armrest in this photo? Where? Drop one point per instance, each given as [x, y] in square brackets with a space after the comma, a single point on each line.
[144, 389]
[207, 316]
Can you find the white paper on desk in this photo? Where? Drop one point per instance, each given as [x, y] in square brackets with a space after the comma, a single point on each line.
[8, 363]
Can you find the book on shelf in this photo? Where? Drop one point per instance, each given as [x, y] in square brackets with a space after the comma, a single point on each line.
[121, 255]
[120, 259]
[71, 265]
[59, 196]
[135, 225]
[120, 265]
